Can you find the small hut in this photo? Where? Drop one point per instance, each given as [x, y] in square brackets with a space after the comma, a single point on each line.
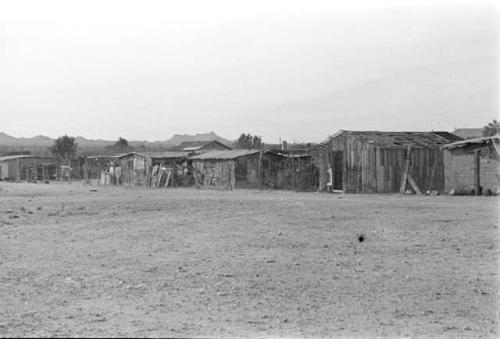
[102, 170]
[27, 168]
[168, 168]
[473, 166]
[382, 162]
[237, 169]
[135, 169]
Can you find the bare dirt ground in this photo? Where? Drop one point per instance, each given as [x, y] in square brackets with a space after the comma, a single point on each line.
[188, 263]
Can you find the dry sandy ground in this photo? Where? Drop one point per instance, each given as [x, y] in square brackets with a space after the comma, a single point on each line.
[187, 263]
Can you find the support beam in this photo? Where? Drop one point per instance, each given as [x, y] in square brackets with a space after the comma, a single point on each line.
[477, 168]
[402, 188]
[414, 185]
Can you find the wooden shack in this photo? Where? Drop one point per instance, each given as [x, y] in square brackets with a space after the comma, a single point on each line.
[473, 166]
[372, 161]
[168, 168]
[135, 168]
[102, 170]
[237, 169]
[27, 168]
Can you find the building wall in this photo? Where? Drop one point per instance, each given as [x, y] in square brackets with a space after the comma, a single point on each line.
[135, 170]
[426, 167]
[10, 168]
[370, 169]
[242, 172]
[214, 174]
[460, 171]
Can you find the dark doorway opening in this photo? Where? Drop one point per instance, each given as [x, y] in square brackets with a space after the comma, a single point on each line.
[338, 170]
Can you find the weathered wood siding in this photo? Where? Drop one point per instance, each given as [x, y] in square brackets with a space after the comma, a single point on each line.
[214, 174]
[135, 169]
[369, 169]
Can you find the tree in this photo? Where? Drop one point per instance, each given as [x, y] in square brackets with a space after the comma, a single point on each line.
[247, 141]
[491, 129]
[257, 142]
[120, 146]
[121, 143]
[65, 148]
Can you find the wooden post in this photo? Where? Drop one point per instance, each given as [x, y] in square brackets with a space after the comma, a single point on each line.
[406, 170]
[259, 169]
[433, 173]
[293, 172]
[174, 172]
[414, 185]
[18, 176]
[477, 179]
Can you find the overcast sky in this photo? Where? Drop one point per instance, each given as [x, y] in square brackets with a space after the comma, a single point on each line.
[145, 70]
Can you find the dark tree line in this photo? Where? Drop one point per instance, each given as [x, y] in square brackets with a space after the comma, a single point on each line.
[248, 141]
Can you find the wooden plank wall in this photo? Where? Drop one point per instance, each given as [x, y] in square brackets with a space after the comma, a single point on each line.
[370, 169]
[390, 167]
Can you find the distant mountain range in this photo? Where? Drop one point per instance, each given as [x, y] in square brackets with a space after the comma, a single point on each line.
[41, 142]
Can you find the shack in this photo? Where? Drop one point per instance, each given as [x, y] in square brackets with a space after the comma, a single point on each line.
[135, 169]
[27, 168]
[102, 170]
[382, 162]
[238, 169]
[473, 166]
[169, 168]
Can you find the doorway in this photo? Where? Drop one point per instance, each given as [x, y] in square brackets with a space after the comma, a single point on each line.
[337, 161]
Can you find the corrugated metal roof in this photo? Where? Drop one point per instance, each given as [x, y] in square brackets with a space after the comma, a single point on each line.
[495, 139]
[401, 139]
[224, 155]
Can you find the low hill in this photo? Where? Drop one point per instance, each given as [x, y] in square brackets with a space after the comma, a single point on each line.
[40, 144]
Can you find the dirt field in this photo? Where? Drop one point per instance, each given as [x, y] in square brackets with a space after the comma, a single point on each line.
[189, 263]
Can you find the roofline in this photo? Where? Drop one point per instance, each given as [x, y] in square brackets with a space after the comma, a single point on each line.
[250, 152]
[23, 156]
[463, 143]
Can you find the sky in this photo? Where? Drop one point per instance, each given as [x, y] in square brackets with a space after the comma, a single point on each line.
[290, 70]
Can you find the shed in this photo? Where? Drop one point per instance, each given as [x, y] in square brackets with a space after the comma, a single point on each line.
[473, 166]
[238, 169]
[168, 167]
[27, 168]
[135, 168]
[373, 161]
[102, 170]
